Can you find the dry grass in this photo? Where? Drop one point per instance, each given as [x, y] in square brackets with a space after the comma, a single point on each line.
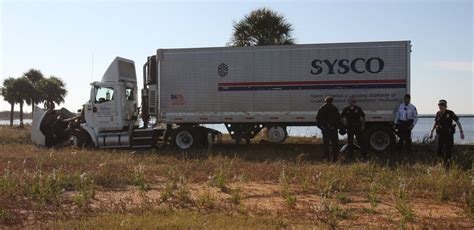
[287, 185]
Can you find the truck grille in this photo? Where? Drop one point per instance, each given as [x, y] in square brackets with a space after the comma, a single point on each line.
[152, 101]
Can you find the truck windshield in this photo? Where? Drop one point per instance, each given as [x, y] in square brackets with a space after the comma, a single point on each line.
[129, 94]
[104, 94]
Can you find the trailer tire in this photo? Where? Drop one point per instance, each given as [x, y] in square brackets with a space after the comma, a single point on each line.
[379, 138]
[185, 138]
[79, 138]
[277, 134]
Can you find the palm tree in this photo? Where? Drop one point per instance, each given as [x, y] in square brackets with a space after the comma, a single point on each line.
[21, 90]
[34, 76]
[53, 91]
[7, 93]
[262, 27]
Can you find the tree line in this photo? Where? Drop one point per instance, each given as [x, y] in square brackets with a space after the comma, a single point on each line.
[32, 88]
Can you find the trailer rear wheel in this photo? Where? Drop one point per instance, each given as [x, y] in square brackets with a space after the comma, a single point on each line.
[380, 138]
[277, 134]
[184, 138]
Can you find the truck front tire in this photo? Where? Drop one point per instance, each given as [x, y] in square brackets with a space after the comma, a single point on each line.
[79, 138]
[379, 138]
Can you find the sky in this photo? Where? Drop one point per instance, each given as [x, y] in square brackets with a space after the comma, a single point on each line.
[77, 40]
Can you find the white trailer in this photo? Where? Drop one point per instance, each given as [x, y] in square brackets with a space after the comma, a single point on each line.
[277, 86]
[246, 88]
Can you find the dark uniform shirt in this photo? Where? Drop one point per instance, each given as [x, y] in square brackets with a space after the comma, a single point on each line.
[353, 116]
[444, 122]
[328, 117]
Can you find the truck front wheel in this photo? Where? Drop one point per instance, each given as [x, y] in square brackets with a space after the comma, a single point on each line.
[379, 138]
[79, 138]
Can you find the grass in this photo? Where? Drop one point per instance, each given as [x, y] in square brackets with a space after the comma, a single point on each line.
[166, 219]
[59, 184]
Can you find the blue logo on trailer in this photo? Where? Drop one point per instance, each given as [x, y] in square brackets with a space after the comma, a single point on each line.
[222, 70]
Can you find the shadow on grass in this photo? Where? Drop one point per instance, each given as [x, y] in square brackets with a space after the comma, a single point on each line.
[313, 153]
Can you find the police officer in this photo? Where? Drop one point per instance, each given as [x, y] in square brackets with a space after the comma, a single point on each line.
[328, 121]
[445, 130]
[405, 120]
[354, 120]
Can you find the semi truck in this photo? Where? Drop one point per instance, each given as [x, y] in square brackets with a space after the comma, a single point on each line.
[245, 88]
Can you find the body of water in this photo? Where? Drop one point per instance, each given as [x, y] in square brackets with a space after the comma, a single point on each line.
[421, 129]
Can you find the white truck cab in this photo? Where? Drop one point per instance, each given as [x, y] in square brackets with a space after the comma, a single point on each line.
[108, 119]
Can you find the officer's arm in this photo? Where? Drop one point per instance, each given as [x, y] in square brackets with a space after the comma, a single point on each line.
[456, 119]
[460, 126]
[318, 117]
[343, 114]
[362, 117]
[415, 116]
[397, 115]
[434, 125]
[433, 128]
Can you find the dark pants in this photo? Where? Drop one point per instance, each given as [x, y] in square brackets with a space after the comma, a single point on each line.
[330, 138]
[357, 133]
[404, 132]
[445, 146]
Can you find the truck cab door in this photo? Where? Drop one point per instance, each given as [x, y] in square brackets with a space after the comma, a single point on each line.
[104, 108]
[130, 104]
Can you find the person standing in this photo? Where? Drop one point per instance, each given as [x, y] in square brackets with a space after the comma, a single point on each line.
[328, 121]
[353, 117]
[445, 131]
[405, 120]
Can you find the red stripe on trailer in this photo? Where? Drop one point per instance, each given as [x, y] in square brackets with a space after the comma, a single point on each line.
[388, 81]
[273, 118]
[249, 118]
[227, 118]
[203, 118]
[300, 118]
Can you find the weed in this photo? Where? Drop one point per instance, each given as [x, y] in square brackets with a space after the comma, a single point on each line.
[305, 178]
[288, 196]
[236, 196]
[86, 193]
[182, 194]
[468, 203]
[4, 216]
[402, 204]
[176, 190]
[206, 200]
[220, 178]
[373, 196]
[451, 185]
[139, 178]
[343, 198]
[329, 213]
